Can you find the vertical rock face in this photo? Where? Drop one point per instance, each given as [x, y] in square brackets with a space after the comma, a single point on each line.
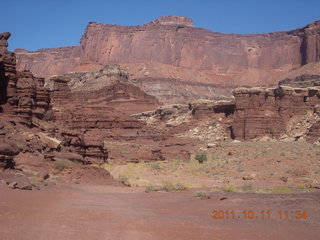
[7, 70]
[276, 112]
[48, 62]
[21, 92]
[8, 81]
[172, 48]
[314, 132]
[31, 98]
[310, 47]
[190, 47]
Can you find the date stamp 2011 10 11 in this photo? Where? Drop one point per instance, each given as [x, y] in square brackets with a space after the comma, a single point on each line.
[260, 214]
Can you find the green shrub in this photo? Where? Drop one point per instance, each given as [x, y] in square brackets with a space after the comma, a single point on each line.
[201, 157]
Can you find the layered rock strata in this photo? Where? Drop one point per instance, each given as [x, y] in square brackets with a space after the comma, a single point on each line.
[282, 112]
[301, 81]
[172, 48]
[97, 107]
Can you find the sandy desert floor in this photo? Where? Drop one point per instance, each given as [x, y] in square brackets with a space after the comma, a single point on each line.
[113, 212]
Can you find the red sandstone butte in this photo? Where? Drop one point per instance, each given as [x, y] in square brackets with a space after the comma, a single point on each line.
[171, 47]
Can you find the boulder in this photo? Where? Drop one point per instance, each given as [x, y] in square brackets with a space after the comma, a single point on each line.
[50, 142]
[8, 149]
[21, 183]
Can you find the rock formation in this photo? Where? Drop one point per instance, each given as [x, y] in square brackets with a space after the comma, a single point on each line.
[301, 81]
[280, 113]
[53, 61]
[75, 118]
[105, 116]
[172, 48]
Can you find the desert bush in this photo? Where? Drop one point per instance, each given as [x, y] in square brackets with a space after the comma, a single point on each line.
[201, 194]
[169, 186]
[153, 188]
[281, 190]
[248, 188]
[229, 188]
[201, 157]
[301, 186]
[264, 190]
[155, 166]
[124, 179]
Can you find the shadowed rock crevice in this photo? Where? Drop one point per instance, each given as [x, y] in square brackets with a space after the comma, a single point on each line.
[3, 84]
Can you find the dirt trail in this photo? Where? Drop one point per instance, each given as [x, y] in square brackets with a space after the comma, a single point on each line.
[108, 212]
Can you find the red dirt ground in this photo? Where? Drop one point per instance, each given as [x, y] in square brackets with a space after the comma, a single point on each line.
[113, 212]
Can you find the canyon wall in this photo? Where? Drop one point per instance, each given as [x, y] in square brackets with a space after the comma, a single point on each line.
[172, 48]
[71, 116]
[48, 62]
[22, 94]
[95, 117]
[198, 63]
[22, 98]
[280, 113]
[174, 41]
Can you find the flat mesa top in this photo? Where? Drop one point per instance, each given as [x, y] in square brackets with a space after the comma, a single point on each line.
[173, 20]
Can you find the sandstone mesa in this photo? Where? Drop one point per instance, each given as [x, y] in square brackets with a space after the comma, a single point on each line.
[105, 100]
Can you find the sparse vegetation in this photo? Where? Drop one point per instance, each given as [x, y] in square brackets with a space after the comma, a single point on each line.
[61, 164]
[201, 194]
[301, 186]
[218, 163]
[248, 188]
[201, 157]
[124, 179]
[155, 166]
[264, 190]
[167, 186]
[153, 188]
[281, 190]
[229, 188]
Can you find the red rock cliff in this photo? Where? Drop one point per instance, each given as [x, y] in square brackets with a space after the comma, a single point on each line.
[174, 41]
[281, 113]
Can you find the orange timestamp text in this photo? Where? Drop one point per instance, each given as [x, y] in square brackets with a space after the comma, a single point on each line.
[260, 214]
